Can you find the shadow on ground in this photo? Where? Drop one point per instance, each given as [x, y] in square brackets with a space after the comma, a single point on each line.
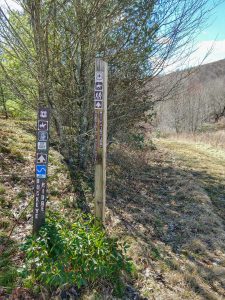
[177, 217]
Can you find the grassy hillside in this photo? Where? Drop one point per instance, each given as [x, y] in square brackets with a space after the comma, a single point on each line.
[17, 154]
[17, 150]
[167, 203]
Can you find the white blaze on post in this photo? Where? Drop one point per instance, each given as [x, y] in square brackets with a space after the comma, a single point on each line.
[100, 125]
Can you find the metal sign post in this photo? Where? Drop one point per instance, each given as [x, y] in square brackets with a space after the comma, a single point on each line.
[100, 125]
[41, 168]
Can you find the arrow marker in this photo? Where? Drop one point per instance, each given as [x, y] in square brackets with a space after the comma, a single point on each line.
[42, 158]
[98, 104]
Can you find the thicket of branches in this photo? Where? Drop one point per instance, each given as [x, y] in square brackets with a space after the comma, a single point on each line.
[48, 51]
[199, 99]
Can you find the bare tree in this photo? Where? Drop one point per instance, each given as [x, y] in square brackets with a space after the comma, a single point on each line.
[55, 43]
[200, 98]
[3, 101]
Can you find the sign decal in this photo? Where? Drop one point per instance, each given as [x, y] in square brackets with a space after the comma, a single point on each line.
[43, 125]
[98, 104]
[41, 158]
[98, 95]
[42, 146]
[99, 86]
[42, 136]
[43, 113]
[98, 76]
[41, 171]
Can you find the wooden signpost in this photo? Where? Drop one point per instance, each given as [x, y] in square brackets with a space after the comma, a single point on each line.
[100, 125]
[41, 168]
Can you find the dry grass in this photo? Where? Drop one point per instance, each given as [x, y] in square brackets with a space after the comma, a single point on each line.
[168, 204]
[206, 247]
[214, 139]
[210, 134]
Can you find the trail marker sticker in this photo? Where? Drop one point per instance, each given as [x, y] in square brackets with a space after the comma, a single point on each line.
[41, 158]
[42, 146]
[41, 171]
[99, 76]
[42, 136]
[43, 113]
[99, 86]
[98, 104]
[98, 95]
[43, 125]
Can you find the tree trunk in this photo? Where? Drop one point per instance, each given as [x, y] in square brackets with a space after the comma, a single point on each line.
[4, 102]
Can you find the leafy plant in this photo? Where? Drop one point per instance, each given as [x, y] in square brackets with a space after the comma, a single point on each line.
[77, 253]
[22, 194]
[8, 273]
[17, 109]
[2, 189]
[138, 139]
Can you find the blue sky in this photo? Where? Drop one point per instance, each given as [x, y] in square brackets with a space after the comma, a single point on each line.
[209, 45]
[216, 29]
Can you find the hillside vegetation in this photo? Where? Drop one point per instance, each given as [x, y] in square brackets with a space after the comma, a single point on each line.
[190, 98]
[167, 202]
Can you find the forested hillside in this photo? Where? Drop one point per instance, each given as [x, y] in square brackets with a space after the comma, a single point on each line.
[200, 98]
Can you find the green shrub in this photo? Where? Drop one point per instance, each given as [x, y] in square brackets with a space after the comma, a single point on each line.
[4, 223]
[138, 139]
[22, 194]
[8, 272]
[17, 109]
[54, 193]
[2, 189]
[77, 253]
[2, 201]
